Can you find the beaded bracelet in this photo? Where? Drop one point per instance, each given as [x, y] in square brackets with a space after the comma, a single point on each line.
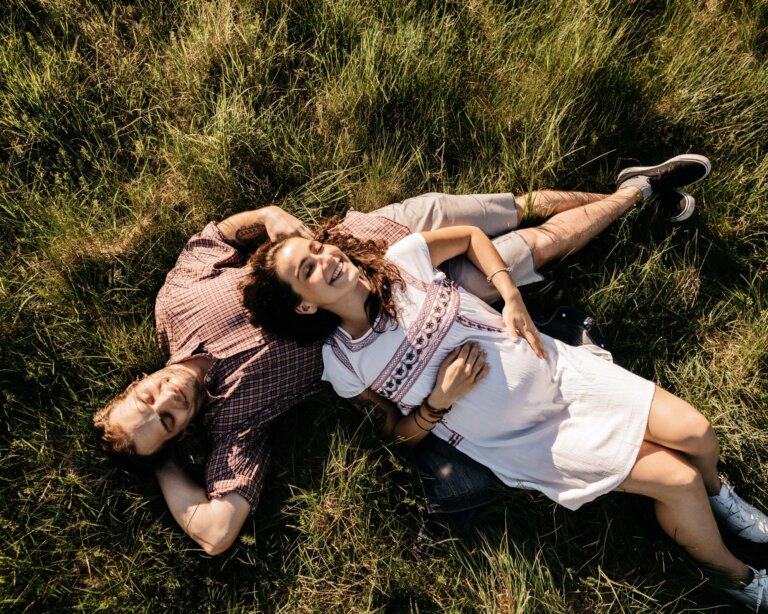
[418, 412]
[434, 411]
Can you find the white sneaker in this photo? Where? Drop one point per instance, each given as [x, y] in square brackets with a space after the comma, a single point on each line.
[743, 519]
[754, 594]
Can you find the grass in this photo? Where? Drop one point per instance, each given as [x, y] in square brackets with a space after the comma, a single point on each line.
[125, 127]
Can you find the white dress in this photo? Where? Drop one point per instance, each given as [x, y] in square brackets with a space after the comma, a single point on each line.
[569, 426]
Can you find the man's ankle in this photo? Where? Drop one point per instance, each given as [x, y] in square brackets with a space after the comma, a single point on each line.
[631, 191]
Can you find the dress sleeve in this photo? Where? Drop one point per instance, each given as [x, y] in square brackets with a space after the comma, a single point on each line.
[412, 255]
[338, 370]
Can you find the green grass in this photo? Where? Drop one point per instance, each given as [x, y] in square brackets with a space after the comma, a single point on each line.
[125, 127]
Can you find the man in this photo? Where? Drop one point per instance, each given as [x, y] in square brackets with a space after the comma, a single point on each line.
[240, 379]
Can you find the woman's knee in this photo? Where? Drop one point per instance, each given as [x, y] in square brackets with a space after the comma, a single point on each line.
[676, 423]
[707, 439]
[663, 474]
[700, 435]
[683, 476]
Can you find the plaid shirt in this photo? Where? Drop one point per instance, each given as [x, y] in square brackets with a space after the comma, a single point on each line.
[255, 376]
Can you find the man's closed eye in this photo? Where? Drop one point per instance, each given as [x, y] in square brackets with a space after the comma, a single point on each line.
[167, 421]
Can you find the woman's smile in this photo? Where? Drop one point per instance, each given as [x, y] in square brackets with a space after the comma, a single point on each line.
[337, 271]
[320, 274]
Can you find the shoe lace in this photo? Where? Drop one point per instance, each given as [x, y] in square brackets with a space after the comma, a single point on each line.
[734, 508]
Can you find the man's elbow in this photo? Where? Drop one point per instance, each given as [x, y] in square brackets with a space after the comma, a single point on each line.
[219, 547]
[215, 541]
[221, 526]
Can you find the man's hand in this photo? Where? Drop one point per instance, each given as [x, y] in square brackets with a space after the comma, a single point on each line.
[459, 372]
[282, 225]
[518, 322]
[248, 227]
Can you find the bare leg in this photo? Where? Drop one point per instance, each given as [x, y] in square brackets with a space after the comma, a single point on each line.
[675, 424]
[494, 214]
[578, 217]
[545, 203]
[682, 507]
[570, 230]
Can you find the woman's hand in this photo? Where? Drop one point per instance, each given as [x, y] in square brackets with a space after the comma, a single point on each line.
[281, 225]
[459, 372]
[519, 322]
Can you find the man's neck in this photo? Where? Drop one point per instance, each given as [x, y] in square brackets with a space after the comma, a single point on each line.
[200, 365]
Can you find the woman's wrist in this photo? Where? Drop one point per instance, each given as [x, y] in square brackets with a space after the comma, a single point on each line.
[512, 295]
[423, 423]
[436, 411]
[438, 401]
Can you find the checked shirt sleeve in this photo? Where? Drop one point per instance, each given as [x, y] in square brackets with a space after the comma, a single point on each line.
[239, 464]
[252, 390]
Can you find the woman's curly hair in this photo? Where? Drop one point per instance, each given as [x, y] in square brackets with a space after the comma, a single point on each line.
[271, 303]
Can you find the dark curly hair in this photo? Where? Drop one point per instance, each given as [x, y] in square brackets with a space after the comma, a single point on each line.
[271, 303]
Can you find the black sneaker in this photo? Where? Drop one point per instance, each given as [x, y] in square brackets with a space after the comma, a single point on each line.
[678, 205]
[674, 173]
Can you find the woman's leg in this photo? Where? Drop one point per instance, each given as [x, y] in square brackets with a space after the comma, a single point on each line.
[675, 424]
[682, 507]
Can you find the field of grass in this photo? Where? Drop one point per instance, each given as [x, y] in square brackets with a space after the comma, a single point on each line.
[126, 126]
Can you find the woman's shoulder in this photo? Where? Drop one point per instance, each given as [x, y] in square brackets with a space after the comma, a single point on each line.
[412, 255]
[339, 370]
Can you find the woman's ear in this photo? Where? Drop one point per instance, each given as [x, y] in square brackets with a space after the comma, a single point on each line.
[306, 309]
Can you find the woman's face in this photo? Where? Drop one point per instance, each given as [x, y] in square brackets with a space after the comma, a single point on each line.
[321, 274]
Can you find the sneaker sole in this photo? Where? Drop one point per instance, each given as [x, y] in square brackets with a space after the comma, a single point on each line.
[632, 171]
[688, 207]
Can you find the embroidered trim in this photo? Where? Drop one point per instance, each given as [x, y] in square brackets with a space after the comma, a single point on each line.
[422, 340]
[355, 345]
[462, 319]
[410, 280]
[455, 439]
[339, 353]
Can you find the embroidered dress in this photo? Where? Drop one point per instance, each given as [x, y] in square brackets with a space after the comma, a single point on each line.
[569, 426]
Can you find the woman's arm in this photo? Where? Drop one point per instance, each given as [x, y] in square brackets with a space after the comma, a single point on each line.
[449, 242]
[459, 372]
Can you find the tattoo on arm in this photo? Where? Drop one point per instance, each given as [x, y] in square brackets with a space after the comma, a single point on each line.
[247, 234]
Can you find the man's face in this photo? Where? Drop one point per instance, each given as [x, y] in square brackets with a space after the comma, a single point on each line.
[159, 407]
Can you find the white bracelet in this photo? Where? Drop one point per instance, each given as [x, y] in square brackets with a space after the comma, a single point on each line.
[508, 269]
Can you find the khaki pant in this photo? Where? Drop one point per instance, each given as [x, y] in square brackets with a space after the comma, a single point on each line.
[494, 214]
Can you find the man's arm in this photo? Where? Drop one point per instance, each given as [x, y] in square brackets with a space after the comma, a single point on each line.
[248, 227]
[212, 523]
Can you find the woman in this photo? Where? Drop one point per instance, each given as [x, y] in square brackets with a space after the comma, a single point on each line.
[539, 413]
